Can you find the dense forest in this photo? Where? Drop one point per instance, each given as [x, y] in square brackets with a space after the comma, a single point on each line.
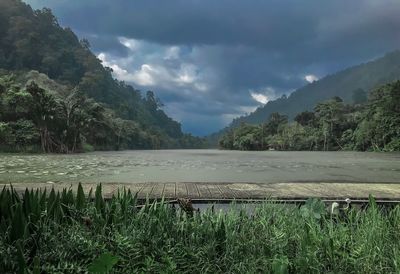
[363, 77]
[56, 96]
[371, 124]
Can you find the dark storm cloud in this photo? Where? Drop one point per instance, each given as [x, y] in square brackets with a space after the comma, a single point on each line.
[208, 59]
[268, 24]
[195, 22]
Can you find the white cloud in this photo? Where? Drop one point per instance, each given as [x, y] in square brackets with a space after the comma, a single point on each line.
[146, 75]
[187, 74]
[131, 44]
[172, 53]
[119, 72]
[261, 98]
[201, 86]
[264, 95]
[153, 74]
[311, 78]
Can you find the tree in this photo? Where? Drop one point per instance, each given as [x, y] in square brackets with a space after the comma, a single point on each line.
[153, 103]
[6, 136]
[305, 118]
[359, 96]
[15, 101]
[380, 126]
[330, 115]
[25, 134]
[34, 40]
[43, 109]
[274, 122]
[73, 116]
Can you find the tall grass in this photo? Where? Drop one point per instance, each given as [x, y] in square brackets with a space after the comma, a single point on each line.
[64, 232]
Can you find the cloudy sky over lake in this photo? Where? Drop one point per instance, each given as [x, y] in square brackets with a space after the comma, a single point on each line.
[210, 61]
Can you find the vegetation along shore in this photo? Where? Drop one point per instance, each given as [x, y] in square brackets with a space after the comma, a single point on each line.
[369, 124]
[60, 232]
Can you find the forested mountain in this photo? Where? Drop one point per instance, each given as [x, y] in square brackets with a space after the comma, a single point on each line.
[373, 125]
[352, 85]
[32, 40]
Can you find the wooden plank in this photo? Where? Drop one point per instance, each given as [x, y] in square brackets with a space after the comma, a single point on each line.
[169, 191]
[158, 190]
[238, 194]
[256, 191]
[192, 191]
[135, 188]
[227, 192]
[295, 190]
[215, 191]
[145, 192]
[288, 192]
[204, 192]
[180, 190]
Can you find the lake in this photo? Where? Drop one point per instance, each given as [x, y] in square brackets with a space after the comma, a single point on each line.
[201, 166]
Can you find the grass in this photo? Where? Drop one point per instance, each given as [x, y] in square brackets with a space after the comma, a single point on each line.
[65, 232]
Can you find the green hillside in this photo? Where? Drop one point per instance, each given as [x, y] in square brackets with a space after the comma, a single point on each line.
[371, 125]
[344, 84]
[32, 40]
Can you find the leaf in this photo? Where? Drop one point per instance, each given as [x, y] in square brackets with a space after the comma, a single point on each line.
[313, 207]
[280, 265]
[103, 264]
[17, 224]
[372, 201]
[36, 265]
[21, 260]
[99, 202]
[80, 198]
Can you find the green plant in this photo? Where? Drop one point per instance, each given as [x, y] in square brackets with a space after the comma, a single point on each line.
[70, 232]
[313, 208]
[103, 264]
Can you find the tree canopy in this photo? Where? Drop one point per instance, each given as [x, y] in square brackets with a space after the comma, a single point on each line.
[352, 85]
[333, 125]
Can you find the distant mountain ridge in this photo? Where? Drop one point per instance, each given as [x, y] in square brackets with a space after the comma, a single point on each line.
[364, 76]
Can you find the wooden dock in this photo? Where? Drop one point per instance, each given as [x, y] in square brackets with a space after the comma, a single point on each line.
[239, 191]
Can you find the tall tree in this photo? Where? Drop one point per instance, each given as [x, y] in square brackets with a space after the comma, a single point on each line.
[44, 108]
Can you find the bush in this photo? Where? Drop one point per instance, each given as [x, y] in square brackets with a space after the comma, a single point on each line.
[394, 145]
[87, 147]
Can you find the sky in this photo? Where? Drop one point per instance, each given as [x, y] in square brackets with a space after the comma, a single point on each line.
[210, 61]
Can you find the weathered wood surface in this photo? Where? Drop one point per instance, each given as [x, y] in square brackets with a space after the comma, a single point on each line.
[212, 191]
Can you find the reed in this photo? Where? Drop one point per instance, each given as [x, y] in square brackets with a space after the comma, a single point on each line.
[66, 232]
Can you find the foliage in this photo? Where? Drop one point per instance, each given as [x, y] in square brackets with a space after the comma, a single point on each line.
[63, 232]
[349, 84]
[103, 264]
[84, 103]
[380, 128]
[313, 208]
[359, 96]
[33, 117]
[333, 125]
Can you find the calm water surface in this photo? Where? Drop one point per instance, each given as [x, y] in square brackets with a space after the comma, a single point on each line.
[201, 166]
